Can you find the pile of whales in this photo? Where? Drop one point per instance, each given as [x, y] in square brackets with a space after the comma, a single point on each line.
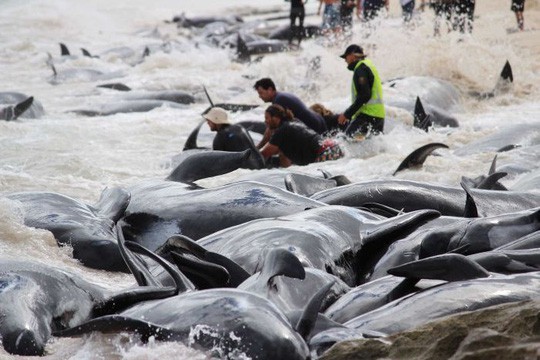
[279, 264]
[254, 268]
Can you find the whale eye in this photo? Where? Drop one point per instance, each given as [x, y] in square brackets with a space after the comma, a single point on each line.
[62, 322]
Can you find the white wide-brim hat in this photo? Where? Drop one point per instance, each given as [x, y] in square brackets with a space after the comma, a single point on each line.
[217, 115]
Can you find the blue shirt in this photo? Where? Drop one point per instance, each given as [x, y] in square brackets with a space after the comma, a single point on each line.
[301, 111]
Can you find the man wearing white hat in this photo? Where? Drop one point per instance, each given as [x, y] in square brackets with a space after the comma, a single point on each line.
[229, 137]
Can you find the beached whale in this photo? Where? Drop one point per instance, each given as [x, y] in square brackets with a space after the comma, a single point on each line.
[232, 322]
[88, 229]
[160, 209]
[408, 195]
[54, 299]
[15, 104]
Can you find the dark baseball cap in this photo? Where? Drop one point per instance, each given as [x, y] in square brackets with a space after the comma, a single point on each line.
[353, 49]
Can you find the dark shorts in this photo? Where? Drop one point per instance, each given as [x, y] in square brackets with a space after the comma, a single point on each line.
[518, 5]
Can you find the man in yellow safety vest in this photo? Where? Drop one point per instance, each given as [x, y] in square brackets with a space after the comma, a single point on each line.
[366, 113]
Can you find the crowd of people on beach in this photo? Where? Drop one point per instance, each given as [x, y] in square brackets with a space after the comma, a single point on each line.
[337, 15]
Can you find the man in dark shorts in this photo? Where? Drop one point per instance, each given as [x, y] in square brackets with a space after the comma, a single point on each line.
[297, 12]
[443, 12]
[518, 6]
[266, 89]
[366, 114]
[372, 8]
[294, 142]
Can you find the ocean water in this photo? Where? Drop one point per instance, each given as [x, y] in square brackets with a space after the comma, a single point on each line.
[80, 156]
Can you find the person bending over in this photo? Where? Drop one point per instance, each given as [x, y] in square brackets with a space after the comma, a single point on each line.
[266, 89]
[229, 137]
[294, 142]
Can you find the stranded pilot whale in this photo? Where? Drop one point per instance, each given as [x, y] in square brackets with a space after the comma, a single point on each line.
[55, 299]
[89, 230]
[15, 104]
[413, 195]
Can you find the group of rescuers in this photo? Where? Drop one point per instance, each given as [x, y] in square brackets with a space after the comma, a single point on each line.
[298, 135]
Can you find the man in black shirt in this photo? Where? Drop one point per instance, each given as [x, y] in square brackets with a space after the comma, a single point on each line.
[229, 137]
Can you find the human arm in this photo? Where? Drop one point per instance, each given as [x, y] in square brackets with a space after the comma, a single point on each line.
[265, 138]
[219, 142]
[269, 150]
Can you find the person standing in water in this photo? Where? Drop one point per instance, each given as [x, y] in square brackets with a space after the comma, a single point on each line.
[331, 23]
[297, 12]
[371, 8]
[518, 6]
[407, 8]
[366, 114]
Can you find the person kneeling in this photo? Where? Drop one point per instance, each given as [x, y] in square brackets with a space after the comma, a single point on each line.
[294, 142]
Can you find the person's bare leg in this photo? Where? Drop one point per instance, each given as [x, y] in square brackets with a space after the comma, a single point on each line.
[520, 20]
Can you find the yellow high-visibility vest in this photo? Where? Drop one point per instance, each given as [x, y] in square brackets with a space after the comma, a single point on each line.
[375, 106]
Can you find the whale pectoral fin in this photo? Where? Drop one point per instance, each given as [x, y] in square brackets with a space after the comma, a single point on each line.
[204, 274]
[183, 245]
[127, 298]
[307, 321]
[181, 282]
[419, 156]
[117, 323]
[281, 262]
[471, 210]
[21, 107]
[113, 203]
[492, 182]
[191, 142]
[307, 185]
[447, 267]
[237, 273]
